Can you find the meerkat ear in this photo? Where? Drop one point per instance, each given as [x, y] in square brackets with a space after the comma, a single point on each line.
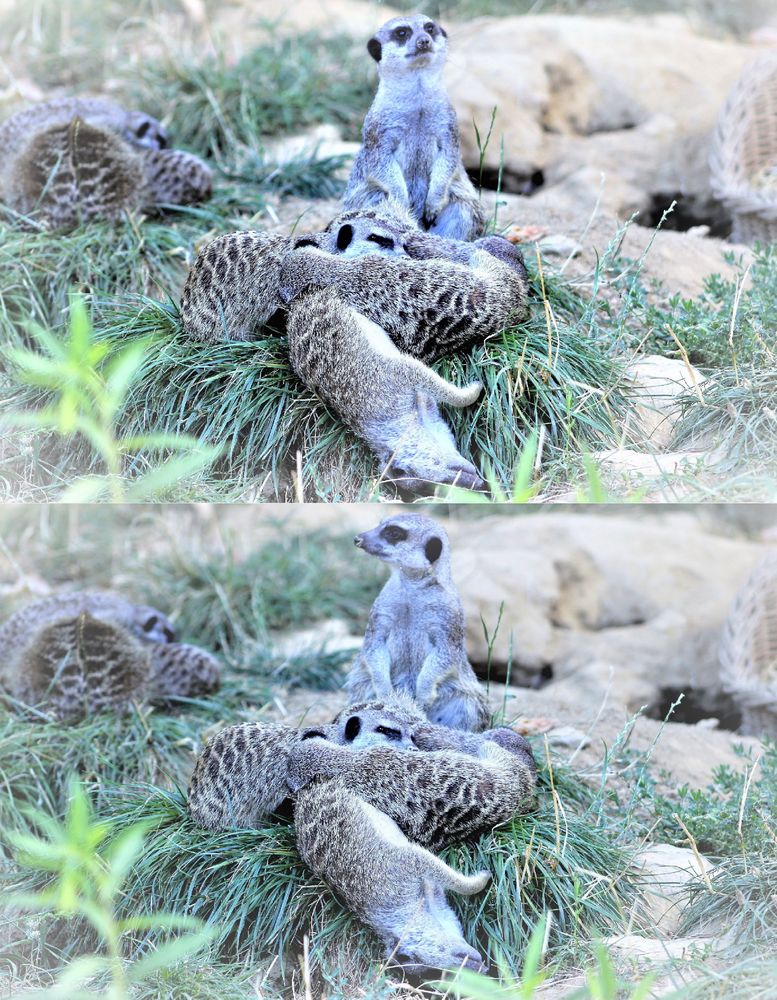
[375, 49]
[344, 237]
[433, 549]
[352, 728]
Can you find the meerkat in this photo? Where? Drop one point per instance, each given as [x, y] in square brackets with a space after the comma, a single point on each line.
[362, 324]
[432, 295]
[368, 364]
[396, 887]
[69, 173]
[364, 777]
[135, 127]
[440, 785]
[233, 288]
[414, 641]
[77, 653]
[410, 150]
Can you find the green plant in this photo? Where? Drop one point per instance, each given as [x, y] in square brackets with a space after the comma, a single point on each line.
[733, 815]
[89, 384]
[87, 876]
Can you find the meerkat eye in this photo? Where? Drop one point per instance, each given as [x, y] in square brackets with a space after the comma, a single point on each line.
[382, 241]
[401, 34]
[142, 129]
[387, 731]
[149, 623]
[429, 27]
[393, 534]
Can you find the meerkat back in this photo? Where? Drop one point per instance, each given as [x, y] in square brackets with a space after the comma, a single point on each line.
[71, 173]
[79, 666]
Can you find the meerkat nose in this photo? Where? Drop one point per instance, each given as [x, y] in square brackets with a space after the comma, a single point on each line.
[357, 541]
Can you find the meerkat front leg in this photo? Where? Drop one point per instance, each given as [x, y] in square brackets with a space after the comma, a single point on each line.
[436, 668]
[440, 178]
[376, 659]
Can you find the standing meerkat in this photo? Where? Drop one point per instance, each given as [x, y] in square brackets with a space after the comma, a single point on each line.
[414, 641]
[78, 653]
[67, 172]
[410, 150]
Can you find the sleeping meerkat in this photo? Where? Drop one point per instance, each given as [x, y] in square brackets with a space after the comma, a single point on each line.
[392, 757]
[79, 653]
[410, 150]
[396, 887]
[135, 127]
[367, 777]
[360, 332]
[64, 173]
[414, 641]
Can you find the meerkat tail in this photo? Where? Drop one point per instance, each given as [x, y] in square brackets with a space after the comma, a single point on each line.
[444, 391]
[448, 878]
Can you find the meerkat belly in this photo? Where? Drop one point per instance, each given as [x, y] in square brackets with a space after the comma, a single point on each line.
[408, 645]
[416, 156]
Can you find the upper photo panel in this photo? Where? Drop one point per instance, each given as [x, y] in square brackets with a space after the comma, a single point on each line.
[336, 250]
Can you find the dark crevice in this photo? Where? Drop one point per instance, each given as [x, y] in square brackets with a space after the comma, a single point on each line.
[511, 183]
[689, 211]
[697, 704]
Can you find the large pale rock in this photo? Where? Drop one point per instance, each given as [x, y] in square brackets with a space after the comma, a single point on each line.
[634, 98]
[647, 594]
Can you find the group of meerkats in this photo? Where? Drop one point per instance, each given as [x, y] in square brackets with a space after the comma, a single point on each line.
[403, 277]
[408, 768]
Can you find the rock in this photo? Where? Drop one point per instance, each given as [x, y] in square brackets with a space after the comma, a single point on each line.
[657, 949]
[321, 142]
[325, 637]
[668, 872]
[658, 382]
[635, 99]
[568, 736]
[576, 588]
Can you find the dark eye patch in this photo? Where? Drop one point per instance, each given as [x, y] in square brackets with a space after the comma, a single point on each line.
[393, 534]
[149, 623]
[353, 728]
[344, 237]
[430, 27]
[387, 731]
[142, 129]
[382, 241]
[401, 34]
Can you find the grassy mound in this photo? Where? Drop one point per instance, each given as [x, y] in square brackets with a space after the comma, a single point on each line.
[281, 442]
[251, 885]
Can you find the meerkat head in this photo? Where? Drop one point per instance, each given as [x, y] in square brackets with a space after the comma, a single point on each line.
[416, 545]
[375, 722]
[409, 44]
[359, 233]
[142, 130]
[151, 625]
